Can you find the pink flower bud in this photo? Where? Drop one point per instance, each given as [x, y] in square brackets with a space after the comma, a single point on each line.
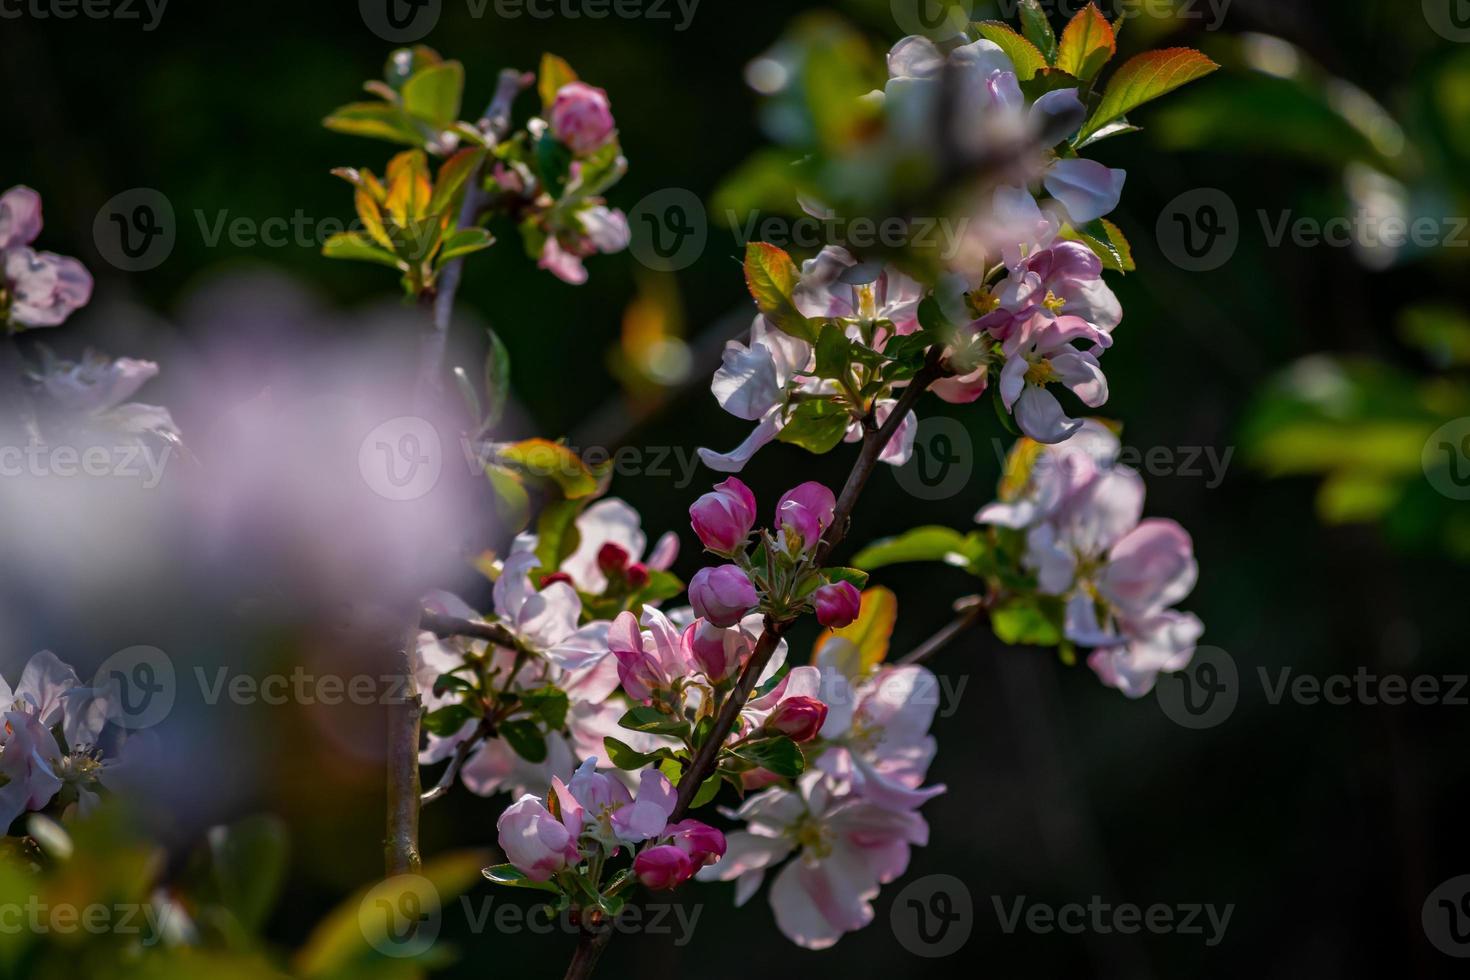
[717, 651]
[535, 841]
[804, 513]
[638, 575]
[722, 595]
[581, 117]
[555, 577]
[612, 559]
[837, 604]
[703, 843]
[723, 518]
[664, 866]
[638, 669]
[799, 717]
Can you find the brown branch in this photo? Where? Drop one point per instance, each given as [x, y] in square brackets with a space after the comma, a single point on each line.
[590, 944]
[404, 789]
[442, 625]
[875, 439]
[972, 612]
[462, 751]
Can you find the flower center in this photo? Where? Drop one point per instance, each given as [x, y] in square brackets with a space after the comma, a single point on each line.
[1040, 373]
[1053, 302]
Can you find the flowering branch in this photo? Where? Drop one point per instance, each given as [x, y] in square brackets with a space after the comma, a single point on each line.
[973, 611]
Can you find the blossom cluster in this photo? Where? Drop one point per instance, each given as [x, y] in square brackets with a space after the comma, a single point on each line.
[80, 399]
[49, 741]
[1119, 575]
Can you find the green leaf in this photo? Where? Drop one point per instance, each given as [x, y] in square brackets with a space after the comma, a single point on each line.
[556, 533]
[377, 120]
[550, 461]
[646, 718]
[771, 277]
[548, 703]
[1107, 242]
[834, 351]
[661, 585]
[404, 63]
[626, 757]
[1029, 620]
[1144, 78]
[463, 242]
[555, 73]
[1037, 28]
[855, 577]
[497, 379]
[780, 755]
[433, 94]
[467, 393]
[929, 543]
[512, 502]
[447, 720]
[359, 246]
[452, 177]
[553, 162]
[1119, 127]
[526, 739]
[513, 877]
[1088, 43]
[706, 793]
[1027, 58]
[248, 865]
[817, 425]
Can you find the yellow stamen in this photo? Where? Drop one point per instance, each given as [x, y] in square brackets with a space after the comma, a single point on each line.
[1053, 303]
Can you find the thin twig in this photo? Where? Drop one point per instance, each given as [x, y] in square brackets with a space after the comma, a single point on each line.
[972, 613]
[875, 439]
[404, 717]
[443, 625]
[462, 751]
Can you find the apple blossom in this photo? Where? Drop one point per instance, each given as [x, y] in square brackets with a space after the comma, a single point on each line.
[649, 660]
[612, 521]
[37, 289]
[662, 867]
[800, 718]
[536, 842]
[722, 594]
[837, 604]
[581, 117]
[722, 519]
[803, 515]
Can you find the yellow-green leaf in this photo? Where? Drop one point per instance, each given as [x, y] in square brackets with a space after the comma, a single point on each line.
[547, 460]
[359, 246]
[555, 73]
[379, 120]
[1026, 56]
[1087, 44]
[452, 176]
[771, 277]
[1144, 78]
[433, 93]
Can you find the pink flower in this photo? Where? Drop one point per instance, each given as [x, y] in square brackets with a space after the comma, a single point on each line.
[44, 288]
[722, 595]
[650, 660]
[1040, 353]
[662, 867]
[647, 816]
[20, 217]
[723, 518]
[845, 849]
[837, 604]
[613, 521]
[581, 117]
[535, 841]
[716, 650]
[703, 843]
[804, 513]
[800, 718]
